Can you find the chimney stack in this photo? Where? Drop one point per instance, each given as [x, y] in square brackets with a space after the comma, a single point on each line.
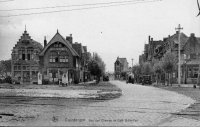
[149, 38]
[70, 39]
[192, 35]
[45, 41]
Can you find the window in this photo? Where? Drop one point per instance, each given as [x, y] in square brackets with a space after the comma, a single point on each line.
[23, 54]
[53, 57]
[15, 67]
[29, 53]
[19, 67]
[63, 58]
[193, 56]
[24, 67]
[29, 56]
[56, 45]
[193, 72]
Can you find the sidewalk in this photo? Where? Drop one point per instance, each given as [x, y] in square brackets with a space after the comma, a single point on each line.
[177, 85]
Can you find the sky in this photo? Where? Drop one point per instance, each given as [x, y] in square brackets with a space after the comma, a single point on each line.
[110, 31]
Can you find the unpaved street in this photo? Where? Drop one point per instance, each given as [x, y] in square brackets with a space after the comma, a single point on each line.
[138, 105]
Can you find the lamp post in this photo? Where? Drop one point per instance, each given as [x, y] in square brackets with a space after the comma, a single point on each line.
[179, 55]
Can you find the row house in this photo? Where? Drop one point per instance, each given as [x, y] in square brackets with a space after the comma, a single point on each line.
[58, 60]
[190, 56]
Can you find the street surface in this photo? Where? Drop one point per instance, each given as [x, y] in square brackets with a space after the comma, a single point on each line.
[138, 105]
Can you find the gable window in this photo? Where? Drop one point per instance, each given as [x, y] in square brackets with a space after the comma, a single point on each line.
[23, 55]
[29, 53]
[63, 57]
[53, 57]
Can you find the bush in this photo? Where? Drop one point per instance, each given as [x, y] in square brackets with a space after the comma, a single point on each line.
[45, 82]
[76, 81]
[8, 79]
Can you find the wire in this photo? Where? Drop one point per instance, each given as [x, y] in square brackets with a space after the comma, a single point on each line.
[86, 8]
[77, 5]
[6, 0]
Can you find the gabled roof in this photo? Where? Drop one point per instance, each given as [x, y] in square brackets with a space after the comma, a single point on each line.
[192, 45]
[37, 44]
[58, 38]
[121, 60]
[174, 38]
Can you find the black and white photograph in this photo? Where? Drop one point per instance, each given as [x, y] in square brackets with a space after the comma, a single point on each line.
[100, 63]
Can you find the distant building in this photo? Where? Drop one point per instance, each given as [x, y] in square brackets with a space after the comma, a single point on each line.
[120, 66]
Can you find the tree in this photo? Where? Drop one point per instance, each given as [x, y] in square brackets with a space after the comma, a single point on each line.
[5, 67]
[147, 68]
[157, 68]
[94, 68]
[137, 71]
[169, 64]
[100, 62]
[2, 69]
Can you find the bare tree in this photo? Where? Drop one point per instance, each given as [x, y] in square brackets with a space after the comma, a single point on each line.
[169, 62]
[157, 68]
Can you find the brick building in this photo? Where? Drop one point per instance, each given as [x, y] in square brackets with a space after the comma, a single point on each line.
[25, 59]
[59, 57]
[191, 63]
[190, 54]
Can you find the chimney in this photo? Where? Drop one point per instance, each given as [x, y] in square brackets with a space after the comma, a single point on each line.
[85, 48]
[70, 39]
[149, 38]
[45, 41]
[192, 35]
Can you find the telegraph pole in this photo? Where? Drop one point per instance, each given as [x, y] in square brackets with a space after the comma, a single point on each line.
[179, 53]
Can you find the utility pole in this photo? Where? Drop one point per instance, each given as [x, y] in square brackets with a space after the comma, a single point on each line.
[179, 54]
[132, 63]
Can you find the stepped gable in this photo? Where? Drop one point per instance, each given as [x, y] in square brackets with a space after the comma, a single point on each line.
[25, 39]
